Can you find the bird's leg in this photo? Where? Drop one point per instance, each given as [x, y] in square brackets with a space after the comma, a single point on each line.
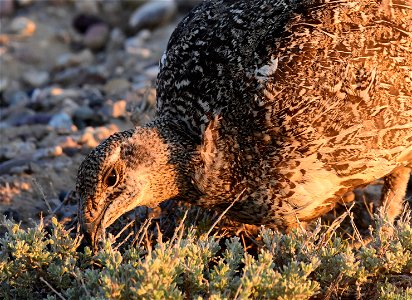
[393, 193]
[391, 202]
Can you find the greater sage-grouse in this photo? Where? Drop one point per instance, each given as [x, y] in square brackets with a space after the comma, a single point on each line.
[280, 106]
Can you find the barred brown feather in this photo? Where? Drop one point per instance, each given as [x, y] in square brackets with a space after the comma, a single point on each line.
[283, 104]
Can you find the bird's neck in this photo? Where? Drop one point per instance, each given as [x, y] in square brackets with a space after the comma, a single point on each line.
[183, 151]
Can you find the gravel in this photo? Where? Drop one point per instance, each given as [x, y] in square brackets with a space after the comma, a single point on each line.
[77, 72]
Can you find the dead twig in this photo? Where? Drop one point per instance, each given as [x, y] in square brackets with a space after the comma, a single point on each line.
[50, 287]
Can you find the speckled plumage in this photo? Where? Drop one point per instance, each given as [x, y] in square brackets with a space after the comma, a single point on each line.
[284, 105]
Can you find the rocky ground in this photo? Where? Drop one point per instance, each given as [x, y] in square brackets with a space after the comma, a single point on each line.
[72, 73]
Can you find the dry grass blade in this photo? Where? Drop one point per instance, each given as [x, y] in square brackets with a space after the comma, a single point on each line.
[123, 241]
[179, 229]
[83, 285]
[140, 235]
[56, 210]
[333, 288]
[43, 195]
[326, 237]
[123, 229]
[224, 212]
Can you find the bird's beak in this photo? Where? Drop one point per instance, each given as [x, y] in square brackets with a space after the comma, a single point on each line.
[94, 233]
[93, 228]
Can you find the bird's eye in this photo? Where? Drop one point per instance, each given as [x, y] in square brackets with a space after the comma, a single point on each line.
[111, 178]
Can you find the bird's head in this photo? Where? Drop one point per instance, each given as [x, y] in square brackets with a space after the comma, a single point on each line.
[129, 169]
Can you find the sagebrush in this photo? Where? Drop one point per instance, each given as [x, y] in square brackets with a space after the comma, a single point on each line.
[317, 264]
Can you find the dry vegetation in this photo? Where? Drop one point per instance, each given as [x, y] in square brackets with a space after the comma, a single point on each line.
[192, 262]
[59, 98]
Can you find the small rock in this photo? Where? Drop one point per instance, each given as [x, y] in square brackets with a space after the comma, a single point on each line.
[142, 53]
[36, 78]
[69, 76]
[59, 93]
[83, 58]
[24, 2]
[25, 132]
[38, 118]
[48, 152]
[153, 14]
[100, 70]
[80, 76]
[135, 45]
[116, 86]
[139, 81]
[94, 97]
[4, 82]
[16, 148]
[6, 8]
[151, 72]
[16, 98]
[53, 139]
[22, 26]
[4, 126]
[25, 167]
[87, 138]
[69, 107]
[41, 118]
[87, 7]
[115, 12]
[101, 133]
[20, 117]
[117, 39]
[71, 151]
[62, 122]
[28, 56]
[115, 109]
[84, 113]
[36, 95]
[49, 97]
[96, 36]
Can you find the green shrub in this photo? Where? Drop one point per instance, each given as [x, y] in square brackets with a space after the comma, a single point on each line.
[38, 263]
